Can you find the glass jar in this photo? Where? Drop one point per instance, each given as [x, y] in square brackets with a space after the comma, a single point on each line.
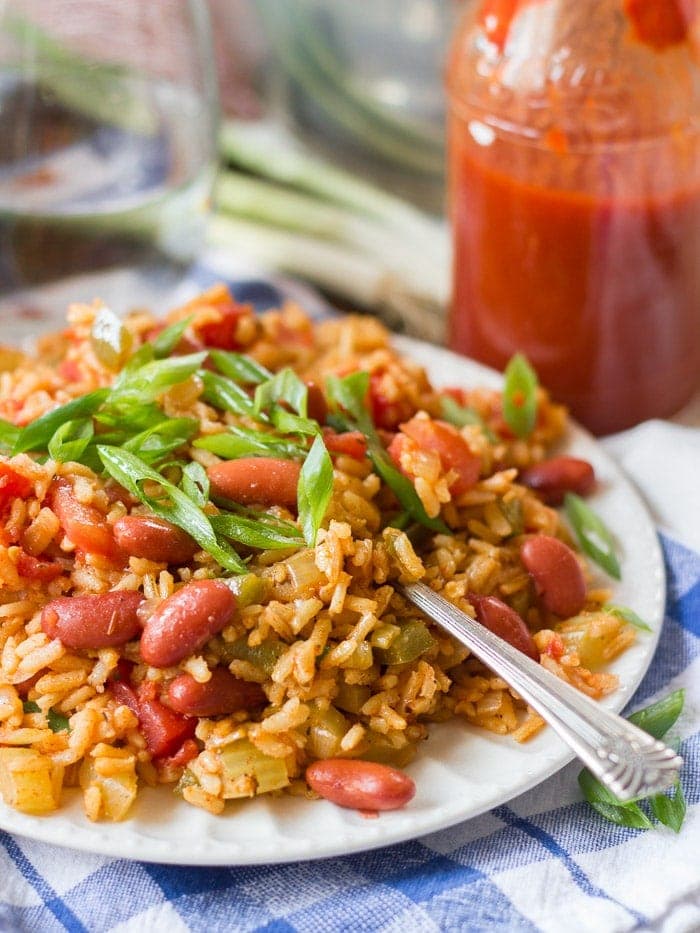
[360, 83]
[108, 119]
[575, 199]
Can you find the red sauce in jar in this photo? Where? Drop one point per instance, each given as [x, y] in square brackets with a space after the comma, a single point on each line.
[586, 257]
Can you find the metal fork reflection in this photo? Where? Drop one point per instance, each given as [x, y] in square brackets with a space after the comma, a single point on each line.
[627, 760]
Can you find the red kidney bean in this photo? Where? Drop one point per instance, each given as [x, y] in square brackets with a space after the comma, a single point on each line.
[554, 477]
[93, 622]
[317, 407]
[505, 622]
[154, 538]
[360, 785]
[556, 573]
[257, 481]
[185, 621]
[219, 696]
[84, 525]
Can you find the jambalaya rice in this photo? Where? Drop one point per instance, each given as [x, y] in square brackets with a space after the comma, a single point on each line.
[335, 662]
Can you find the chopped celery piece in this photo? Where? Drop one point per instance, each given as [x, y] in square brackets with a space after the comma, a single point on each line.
[594, 636]
[413, 640]
[118, 791]
[352, 697]
[326, 729]
[361, 659]
[29, 781]
[243, 759]
[513, 513]
[187, 779]
[383, 636]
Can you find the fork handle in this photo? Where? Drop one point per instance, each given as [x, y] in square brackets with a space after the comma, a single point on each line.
[628, 761]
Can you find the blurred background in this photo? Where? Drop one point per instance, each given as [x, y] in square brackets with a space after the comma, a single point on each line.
[356, 90]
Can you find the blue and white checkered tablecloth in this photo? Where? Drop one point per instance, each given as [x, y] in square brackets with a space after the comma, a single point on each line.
[544, 862]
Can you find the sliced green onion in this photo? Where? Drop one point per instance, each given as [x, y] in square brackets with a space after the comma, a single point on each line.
[131, 472]
[9, 434]
[37, 435]
[284, 386]
[239, 442]
[152, 379]
[239, 367]
[161, 439]
[520, 396]
[628, 615]
[165, 342]
[593, 535]
[349, 394]
[658, 718]
[314, 490]
[195, 483]
[226, 395]
[670, 810]
[608, 806]
[256, 534]
[461, 415]
[70, 441]
[288, 423]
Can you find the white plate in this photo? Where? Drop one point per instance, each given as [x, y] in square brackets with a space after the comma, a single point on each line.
[460, 771]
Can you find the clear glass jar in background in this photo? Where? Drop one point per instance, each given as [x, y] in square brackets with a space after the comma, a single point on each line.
[574, 150]
[362, 83]
[108, 115]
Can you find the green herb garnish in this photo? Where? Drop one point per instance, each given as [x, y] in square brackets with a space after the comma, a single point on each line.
[520, 396]
[593, 535]
[36, 436]
[257, 534]
[668, 809]
[239, 367]
[166, 341]
[173, 504]
[57, 721]
[226, 395]
[314, 490]
[628, 615]
[461, 415]
[348, 395]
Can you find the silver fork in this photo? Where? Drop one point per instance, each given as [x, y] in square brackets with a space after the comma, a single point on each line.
[627, 760]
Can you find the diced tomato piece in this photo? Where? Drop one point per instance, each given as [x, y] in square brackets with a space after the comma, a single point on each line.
[453, 450]
[397, 448]
[34, 569]
[70, 371]
[84, 525]
[386, 413]
[350, 443]
[163, 729]
[221, 333]
[186, 753]
[12, 485]
[555, 647]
